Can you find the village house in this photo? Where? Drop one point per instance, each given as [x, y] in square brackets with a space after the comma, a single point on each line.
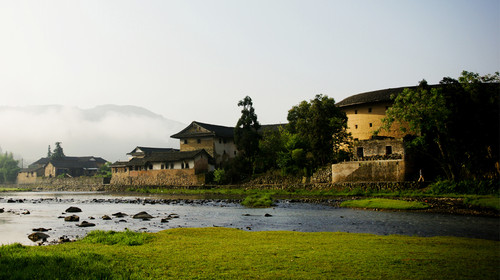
[379, 155]
[66, 166]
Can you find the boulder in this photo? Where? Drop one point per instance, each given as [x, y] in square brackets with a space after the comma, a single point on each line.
[1, 210]
[73, 209]
[106, 217]
[25, 212]
[38, 236]
[72, 218]
[142, 215]
[173, 216]
[268, 215]
[86, 224]
[119, 215]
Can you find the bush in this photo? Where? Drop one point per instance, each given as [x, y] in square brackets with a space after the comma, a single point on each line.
[219, 176]
[465, 187]
[258, 201]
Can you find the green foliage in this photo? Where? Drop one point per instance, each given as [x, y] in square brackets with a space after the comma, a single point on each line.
[220, 176]
[383, 203]
[486, 202]
[246, 135]
[455, 124]
[128, 238]
[215, 253]
[321, 126]
[465, 187]
[8, 168]
[258, 201]
[104, 171]
[58, 152]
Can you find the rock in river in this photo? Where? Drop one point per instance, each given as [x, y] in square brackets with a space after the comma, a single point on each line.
[41, 229]
[106, 217]
[38, 236]
[120, 215]
[72, 218]
[142, 215]
[73, 209]
[86, 224]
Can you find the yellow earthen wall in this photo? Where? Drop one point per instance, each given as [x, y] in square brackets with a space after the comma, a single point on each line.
[358, 123]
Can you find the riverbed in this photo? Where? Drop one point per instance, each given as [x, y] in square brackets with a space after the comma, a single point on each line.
[25, 211]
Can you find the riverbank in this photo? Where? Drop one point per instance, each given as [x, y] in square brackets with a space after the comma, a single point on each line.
[235, 254]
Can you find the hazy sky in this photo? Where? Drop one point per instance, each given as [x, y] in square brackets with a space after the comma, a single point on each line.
[194, 60]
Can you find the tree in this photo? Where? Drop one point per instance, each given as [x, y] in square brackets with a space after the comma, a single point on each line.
[58, 152]
[246, 132]
[321, 125]
[49, 153]
[8, 168]
[454, 124]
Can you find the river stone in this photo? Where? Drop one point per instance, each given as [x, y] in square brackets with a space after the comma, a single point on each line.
[86, 224]
[106, 217]
[38, 236]
[1, 210]
[72, 218]
[119, 215]
[41, 229]
[142, 215]
[73, 209]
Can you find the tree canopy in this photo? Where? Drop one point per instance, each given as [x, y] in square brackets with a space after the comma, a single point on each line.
[58, 152]
[246, 132]
[8, 168]
[455, 124]
[320, 125]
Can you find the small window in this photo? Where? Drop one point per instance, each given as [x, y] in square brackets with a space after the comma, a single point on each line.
[371, 125]
[162, 166]
[360, 152]
[234, 152]
[388, 150]
[182, 165]
[356, 126]
[369, 110]
[185, 141]
[198, 140]
[355, 111]
[187, 165]
[171, 166]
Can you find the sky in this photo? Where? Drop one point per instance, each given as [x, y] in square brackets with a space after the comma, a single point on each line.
[193, 60]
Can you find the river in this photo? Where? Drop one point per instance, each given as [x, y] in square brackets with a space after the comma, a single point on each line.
[47, 209]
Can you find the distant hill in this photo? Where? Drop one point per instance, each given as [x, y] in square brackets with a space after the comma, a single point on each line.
[108, 131]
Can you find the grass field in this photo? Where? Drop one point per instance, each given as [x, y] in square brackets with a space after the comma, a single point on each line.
[221, 253]
[383, 203]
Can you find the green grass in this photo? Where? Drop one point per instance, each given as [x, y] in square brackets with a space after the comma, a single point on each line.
[383, 203]
[127, 237]
[487, 202]
[258, 201]
[2, 189]
[221, 253]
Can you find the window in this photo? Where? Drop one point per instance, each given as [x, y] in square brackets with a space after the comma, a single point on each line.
[388, 150]
[369, 110]
[187, 164]
[355, 111]
[185, 141]
[371, 124]
[356, 126]
[220, 140]
[162, 166]
[198, 140]
[360, 152]
[182, 165]
[171, 166]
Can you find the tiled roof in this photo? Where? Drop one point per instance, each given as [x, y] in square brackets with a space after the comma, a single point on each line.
[214, 130]
[71, 162]
[371, 97]
[171, 156]
[150, 150]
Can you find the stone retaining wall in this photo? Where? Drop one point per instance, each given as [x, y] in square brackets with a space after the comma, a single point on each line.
[176, 177]
[66, 184]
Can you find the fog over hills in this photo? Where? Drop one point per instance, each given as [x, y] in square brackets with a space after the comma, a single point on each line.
[108, 131]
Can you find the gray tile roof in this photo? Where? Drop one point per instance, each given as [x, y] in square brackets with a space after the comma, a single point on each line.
[382, 95]
[214, 130]
[171, 156]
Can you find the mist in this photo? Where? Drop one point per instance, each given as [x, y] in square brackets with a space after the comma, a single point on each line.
[107, 131]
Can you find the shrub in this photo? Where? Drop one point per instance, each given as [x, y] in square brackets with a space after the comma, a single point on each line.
[258, 200]
[465, 187]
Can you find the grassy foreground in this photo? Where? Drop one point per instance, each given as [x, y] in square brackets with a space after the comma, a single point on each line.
[215, 253]
[383, 203]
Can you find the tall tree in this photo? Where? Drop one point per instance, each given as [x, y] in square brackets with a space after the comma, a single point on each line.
[321, 125]
[455, 123]
[58, 152]
[246, 132]
[49, 152]
[8, 168]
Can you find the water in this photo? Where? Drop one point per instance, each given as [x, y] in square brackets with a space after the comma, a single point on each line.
[46, 208]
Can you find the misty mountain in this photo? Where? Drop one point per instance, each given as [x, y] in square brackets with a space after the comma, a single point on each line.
[107, 131]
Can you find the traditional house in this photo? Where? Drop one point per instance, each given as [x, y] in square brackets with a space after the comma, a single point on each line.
[379, 155]
[217, 140]
[67, 166]
[157, 166]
